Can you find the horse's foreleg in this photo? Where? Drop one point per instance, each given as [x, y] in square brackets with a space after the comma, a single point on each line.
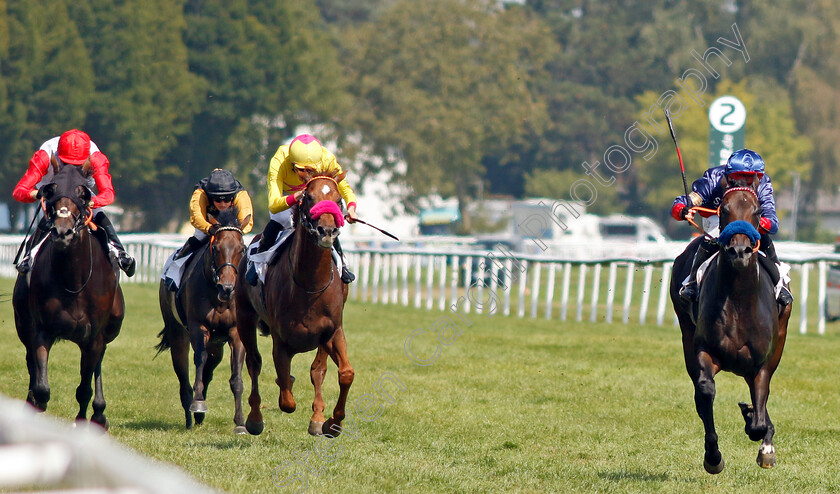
[237, 357]
[283, 367]
[246, 321]
[704, 397]
[758, 425]
[39, 386]
[215, 353]
[198, 338]
[98, 416]
[337, 348]
[91, 358]
[317, 373]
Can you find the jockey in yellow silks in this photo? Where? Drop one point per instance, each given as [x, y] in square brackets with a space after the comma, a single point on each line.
[291, 168]
[215, 193]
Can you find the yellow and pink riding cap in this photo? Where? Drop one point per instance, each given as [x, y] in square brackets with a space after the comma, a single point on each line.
[305, 152]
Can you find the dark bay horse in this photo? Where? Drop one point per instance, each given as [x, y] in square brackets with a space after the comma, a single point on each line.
[736, 324]
[72, 293]
[209, 312]
[302, 310]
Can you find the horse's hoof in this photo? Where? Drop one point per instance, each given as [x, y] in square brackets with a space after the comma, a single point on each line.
[316, 428]
[199, 406]
[766, 456]
[331, 428]
[199, 418]
[254, 428]
[713, 469]
[240, 429]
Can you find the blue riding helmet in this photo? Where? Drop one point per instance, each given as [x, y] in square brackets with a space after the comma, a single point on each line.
[744, 160]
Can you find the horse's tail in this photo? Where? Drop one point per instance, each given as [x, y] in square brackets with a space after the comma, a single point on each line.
[164, 342]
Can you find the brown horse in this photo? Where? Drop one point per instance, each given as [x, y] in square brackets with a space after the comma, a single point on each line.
[304, 301]
[209, 309]
[735, 325]
[73, 292]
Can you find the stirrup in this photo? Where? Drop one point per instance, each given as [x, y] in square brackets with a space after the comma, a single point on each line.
[688, 292]
[23, 266]
[346, 276]
[127, 263]
[251, 275]
[785, 297]
[170, 285]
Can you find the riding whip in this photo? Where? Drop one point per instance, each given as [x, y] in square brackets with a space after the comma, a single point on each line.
[25, 237]
[679, 155]
[376, 228]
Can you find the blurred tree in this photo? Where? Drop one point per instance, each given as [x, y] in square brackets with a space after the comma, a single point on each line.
[145, 95]
[45, 78]
[446, 83]
[343, 12]
[267, 67]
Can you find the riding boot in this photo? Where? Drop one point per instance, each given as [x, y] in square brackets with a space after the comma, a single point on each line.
[125, 261]
[191, 245]
[269, 235]
[25, 264]
[771, 263]
[346, 276]
[705, 250]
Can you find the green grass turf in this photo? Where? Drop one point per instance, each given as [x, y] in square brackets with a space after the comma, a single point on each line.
[512, 405]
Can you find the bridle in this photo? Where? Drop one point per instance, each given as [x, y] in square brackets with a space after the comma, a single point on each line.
[308, 225]
[216, 269]
[79, 222]
[305, 218]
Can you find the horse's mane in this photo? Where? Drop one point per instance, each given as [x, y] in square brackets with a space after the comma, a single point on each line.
[228, 217]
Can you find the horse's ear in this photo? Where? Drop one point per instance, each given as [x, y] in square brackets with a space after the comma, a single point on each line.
[54, 162]
[47, 191]
[212, 219]
[87, 168]
[340, 176]
[724, 182]
[84, 193]
[244, 222]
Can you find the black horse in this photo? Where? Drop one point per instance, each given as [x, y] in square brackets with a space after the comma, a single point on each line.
[72, 292]
[736, 324]
[207, 319]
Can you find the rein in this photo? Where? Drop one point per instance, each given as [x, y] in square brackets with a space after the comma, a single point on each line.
[717, 211]
[90, 269]
[292, 272]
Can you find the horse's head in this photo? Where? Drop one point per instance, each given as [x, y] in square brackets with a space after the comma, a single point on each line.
[65, 201]
[319, 210]
[226, 250]
[739, 214]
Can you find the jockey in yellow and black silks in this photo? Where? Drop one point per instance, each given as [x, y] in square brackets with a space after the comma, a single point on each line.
[217, 192]
[291, 168]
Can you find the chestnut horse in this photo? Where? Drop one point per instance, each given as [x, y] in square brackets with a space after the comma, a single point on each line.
[735, 325]
[72, 293]
[301, 306]
[209, 312]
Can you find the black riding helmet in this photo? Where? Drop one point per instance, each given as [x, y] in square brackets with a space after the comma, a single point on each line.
[221, 184]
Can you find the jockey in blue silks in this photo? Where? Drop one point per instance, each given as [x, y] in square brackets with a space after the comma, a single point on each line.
[743, 168]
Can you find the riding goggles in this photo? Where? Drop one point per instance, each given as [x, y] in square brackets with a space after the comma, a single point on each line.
[223, 199]
[745, 175]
